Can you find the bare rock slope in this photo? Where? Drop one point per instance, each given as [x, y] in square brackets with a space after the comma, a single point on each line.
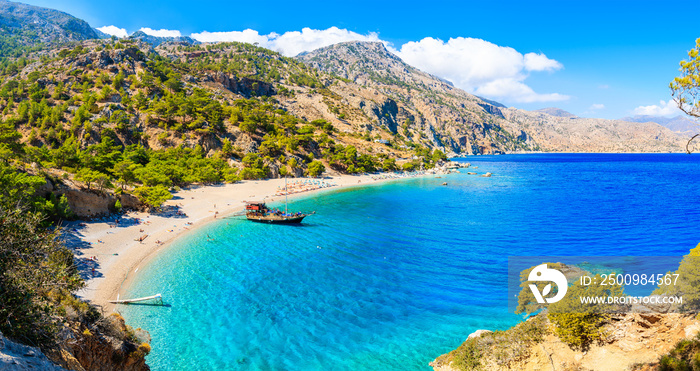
[459, 122]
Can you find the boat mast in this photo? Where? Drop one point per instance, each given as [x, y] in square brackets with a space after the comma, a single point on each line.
[285, 194]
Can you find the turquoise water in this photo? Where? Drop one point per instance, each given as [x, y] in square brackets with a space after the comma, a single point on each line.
[393, 275]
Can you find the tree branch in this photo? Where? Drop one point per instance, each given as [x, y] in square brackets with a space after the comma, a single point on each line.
[688, 144]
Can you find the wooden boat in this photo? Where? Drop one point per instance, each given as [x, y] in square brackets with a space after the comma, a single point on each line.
[259, 212]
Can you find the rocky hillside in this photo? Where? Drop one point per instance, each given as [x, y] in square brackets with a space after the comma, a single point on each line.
[633, 341]
[157, 40]
[417, 102]
[578, 134]
[137, 97]
[679, 124]
[32, 25]
[465, 124]
[557, 112]
[361, 88]
[121, 116]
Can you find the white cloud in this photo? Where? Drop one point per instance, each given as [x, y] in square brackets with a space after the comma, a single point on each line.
[481, 67]
[289, 43]
[294, 42]
[596, 106]
[540, 62]
[114, 31]
[604, 86]
[245, 36]
[160, 33]
[510, 88]
[475, 65]
[663, 109]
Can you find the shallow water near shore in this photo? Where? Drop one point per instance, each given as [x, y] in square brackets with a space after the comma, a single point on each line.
[391, 276]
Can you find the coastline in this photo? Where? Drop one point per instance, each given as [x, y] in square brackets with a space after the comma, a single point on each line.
[119, 253]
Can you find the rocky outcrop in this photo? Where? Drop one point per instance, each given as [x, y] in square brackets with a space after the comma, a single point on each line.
[244, 86]
[15, 356]
[491, 109]
[246, 144]
[90, 203]
[633, 339]
[129, 201]
[157, 40]
[386, 114]
[478, 333]
[108, 345]
[109, 59]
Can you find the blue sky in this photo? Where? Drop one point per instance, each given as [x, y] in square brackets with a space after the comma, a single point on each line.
[604, 59]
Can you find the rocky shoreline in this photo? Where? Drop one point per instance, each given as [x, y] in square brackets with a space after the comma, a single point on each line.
[634, 339]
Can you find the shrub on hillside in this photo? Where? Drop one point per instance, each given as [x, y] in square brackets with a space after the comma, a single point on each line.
[577, 324]
[503, 348]
[35, 266]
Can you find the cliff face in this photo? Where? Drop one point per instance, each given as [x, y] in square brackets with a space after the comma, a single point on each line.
[466, 124]
[85, 203]
[105, 345]
[108, 346]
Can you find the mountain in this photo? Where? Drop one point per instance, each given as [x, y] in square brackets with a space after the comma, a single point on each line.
[462, 123]
[369, 91]
[678, 124]
[32, 25]
[247, 111]
[557, 112]
[366, 95]
[579, 134]
[368, 63]
[157, 40]
[418, 105]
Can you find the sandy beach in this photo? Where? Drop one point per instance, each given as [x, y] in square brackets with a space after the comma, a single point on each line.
[109, 253]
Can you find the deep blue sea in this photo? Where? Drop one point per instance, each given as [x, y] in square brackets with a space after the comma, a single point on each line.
[391, 276]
